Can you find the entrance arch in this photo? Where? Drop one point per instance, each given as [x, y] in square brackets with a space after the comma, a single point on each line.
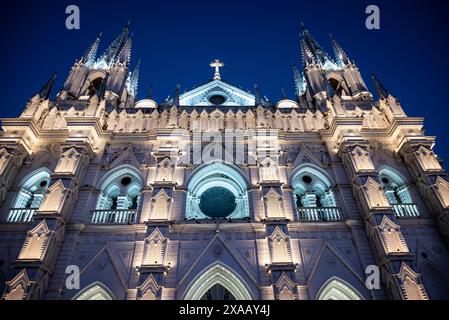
[96, 291]
[336, 289]
[218, 279]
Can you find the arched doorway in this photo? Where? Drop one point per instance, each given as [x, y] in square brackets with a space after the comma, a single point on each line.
[218, 293]
[336, 289]
[96, 291]
[218, 282]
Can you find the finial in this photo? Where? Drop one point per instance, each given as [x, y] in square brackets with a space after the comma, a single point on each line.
[284, 96]
[46, 90]
[257, 94]
[217, 64]
[381, 91]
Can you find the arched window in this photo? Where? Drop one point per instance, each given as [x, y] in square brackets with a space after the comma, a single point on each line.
[94, 86]
[30, 196]
[336, 86]
[397, 193]
[314, 197]
[119, 197]
[217, 191]
[336, 289]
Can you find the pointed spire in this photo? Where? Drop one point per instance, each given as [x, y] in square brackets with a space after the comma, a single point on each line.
[112, 53]
[300, 82]
[307, 56]
[46, 90]
[150, 93]
[125, 53]
[91, 53]
[314, 47]
[283, 95]
[257, 94]
[176, 99]
[340, 54]
[381, 91]
[135, 80]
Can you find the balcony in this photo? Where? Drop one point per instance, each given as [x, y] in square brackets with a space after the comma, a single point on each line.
[406, 210]
[21, 215]
[114, 217]
[319, 215]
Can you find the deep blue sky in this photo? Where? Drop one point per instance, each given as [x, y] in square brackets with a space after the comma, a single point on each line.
[256, 39]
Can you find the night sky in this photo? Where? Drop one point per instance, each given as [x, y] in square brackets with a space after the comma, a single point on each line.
[257, 40]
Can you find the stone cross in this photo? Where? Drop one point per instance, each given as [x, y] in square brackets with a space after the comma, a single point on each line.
[217, 64]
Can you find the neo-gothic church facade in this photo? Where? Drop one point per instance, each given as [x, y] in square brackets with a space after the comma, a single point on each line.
[143, 200]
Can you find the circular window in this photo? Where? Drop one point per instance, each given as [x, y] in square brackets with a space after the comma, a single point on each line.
[385, 180]
[217, 99]
[44, 184]
[307, 179]
[217, 202]
[126, 181]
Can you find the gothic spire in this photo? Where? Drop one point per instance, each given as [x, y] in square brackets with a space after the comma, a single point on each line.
[114, 50]
[300, 82]
[125, 53]
[177, 94]
[340, 54]
[257, 95]
[314, 47]
[135, 80]
[307, 56]
[91, 53]
[381, 91]
[46, 90]
[150, 93]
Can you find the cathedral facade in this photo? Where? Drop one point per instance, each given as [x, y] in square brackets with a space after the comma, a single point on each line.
[219, 193]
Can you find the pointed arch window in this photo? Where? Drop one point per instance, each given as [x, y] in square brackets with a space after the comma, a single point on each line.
[119, 198]
[314, 197]
[30, 196]
[398, 193]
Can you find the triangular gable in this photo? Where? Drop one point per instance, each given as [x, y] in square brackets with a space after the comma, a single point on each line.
[202, 258]
[127, 157]
[306, 156]
[233, 95]
[327, 248]
[108, 260]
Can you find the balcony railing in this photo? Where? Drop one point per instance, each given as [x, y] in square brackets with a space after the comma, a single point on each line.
[21, 215]
[406, 210]
[114, 217]
[319, 214]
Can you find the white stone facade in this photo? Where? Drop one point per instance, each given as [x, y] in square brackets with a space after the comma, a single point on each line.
[132, 192]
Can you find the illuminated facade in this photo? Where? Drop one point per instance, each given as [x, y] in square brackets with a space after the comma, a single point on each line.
[144, 199]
